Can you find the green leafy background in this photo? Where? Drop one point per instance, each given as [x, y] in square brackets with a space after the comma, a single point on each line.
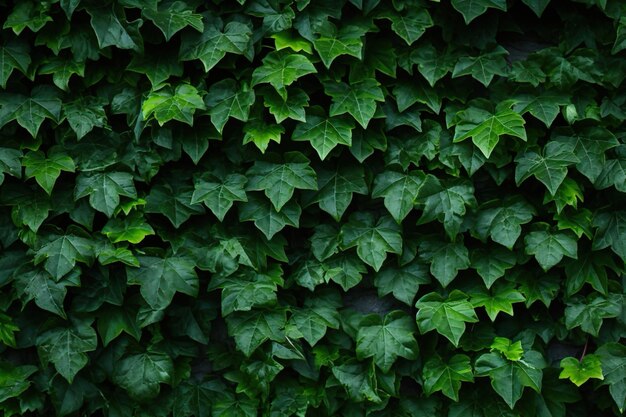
[312, 208]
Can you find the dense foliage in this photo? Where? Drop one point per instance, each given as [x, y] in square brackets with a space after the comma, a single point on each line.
[312, 208]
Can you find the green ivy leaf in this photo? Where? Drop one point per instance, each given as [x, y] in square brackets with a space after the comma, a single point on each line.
[252, 328]
[503, 221]
[471, 9]
[13, 55]
[581, 371]
[84, 114]
[176, 203]
[590, 312]
[218, 192]
[261, 134]
[312, 321]
[141, 374]
[62, 253]
[447, 315]
[47, 170]
[402, 190]
[280, 69]
[549, 248]
[227, 99]
[358, 380]
[67, 347]
[48, 293]
[386, 338]
[549, 168]
[487, 132]
[500, 298]
[447, 376]
[357, 98]
[447, 204]
[279, 180]
[411, 25]
[335, 42]
[508, 378]
[15, 380]
[485, 66]
[337, 186]
[613, 357]
[403, 282]
[104, 189]
[62, 70]
[132, 229]
[324, 133]
[492, 263]
[161, 278]
[373, 237]
[266, 218]
[168, 104]
[173, 18]
[446, 258]
[30, 112]
[215, 42]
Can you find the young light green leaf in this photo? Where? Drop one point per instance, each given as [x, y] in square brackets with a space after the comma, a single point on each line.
[15, 379]
[386, 338]
[132, 229]
[373, 237]
[580, 371]
[446, 315]
[31, 111]
[512, 351]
